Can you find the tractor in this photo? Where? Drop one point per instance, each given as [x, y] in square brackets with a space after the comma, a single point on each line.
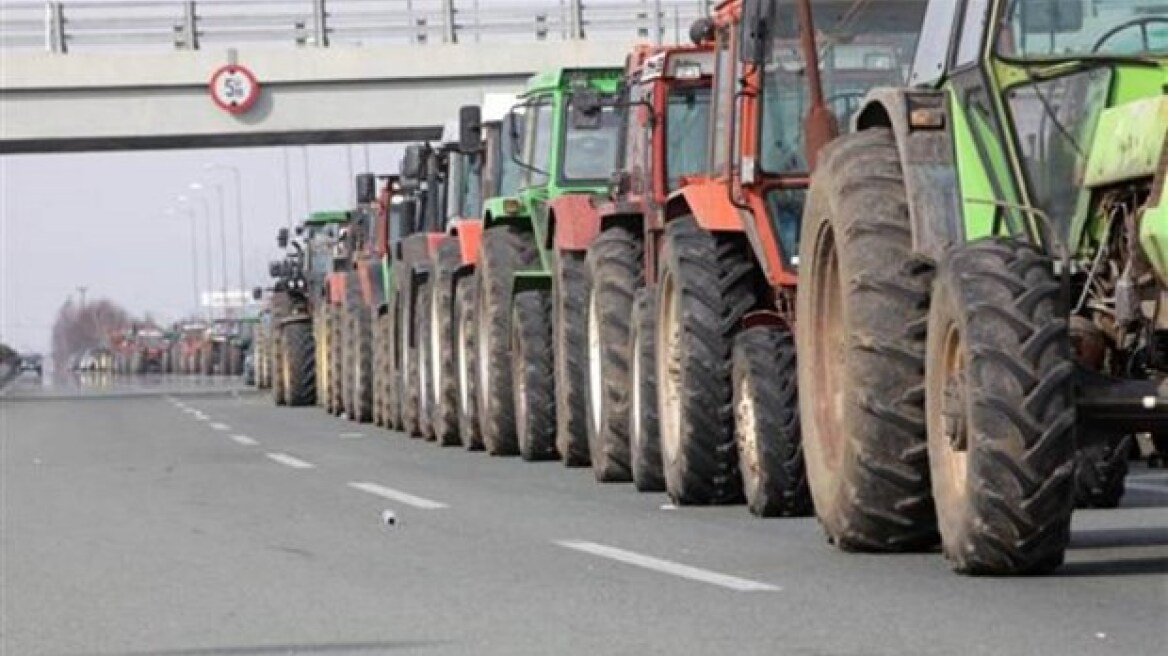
[289, 339]
[324, 258]
[984, 295]
[530, 273]
[478, 165]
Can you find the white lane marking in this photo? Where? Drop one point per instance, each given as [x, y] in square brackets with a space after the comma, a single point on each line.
[289, 461]
[398, 495]
[669, 567]
[244, 440]
[220, 427]
[1147, 487]
[351, 436]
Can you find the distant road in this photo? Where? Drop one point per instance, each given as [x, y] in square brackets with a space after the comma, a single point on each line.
[188, 519]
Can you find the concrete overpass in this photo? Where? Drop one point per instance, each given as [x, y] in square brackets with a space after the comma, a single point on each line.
[324, 89]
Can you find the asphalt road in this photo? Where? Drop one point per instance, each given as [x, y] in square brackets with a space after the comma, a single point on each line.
[171, 517]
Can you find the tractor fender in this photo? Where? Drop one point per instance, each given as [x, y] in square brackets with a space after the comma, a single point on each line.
[573, 222]
[623, 214]
[369, 280]
[926, 156]
[709, 204]
[468, 232]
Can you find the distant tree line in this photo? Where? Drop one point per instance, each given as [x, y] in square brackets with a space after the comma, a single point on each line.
[81, 327]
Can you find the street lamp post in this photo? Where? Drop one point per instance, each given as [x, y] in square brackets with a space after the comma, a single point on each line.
[206, 239]
[238, 177]
[194, 254]
[198, 186]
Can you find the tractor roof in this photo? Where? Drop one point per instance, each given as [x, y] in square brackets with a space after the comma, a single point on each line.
[323, 218]
[564, 78]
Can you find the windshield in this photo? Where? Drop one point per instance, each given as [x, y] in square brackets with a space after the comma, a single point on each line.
[686, 118]
[590, 151]
[509, 173]
[1070, 28]
[861, 46]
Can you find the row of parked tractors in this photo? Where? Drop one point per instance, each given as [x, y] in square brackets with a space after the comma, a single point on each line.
[603, 271]
[200, 347]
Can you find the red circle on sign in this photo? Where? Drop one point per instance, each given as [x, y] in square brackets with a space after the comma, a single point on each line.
[234, 88]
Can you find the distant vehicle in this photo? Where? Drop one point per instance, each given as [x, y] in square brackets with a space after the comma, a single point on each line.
[32, 362]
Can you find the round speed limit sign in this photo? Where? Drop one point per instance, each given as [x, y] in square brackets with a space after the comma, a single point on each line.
[234, 88]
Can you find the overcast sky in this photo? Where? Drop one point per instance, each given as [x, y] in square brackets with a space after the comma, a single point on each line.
[99, 220]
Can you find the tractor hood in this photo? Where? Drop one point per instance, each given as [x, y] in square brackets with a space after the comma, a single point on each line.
[1129, 140]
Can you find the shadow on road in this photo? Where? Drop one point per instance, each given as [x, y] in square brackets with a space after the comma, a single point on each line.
[1116, 567]
[263, 650]
[1110, 538]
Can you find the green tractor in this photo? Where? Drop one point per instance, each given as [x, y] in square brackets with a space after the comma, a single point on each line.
[983, 293]
[531, 274]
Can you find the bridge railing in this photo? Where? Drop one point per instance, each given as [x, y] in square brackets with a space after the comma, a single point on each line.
[80, 25]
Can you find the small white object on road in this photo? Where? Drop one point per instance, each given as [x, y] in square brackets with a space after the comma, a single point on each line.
[351, 436]
[669, 567]
[668, 506]
[244, 440]
[220, 427]
[388, 518]
[398, 495]
[289, 461]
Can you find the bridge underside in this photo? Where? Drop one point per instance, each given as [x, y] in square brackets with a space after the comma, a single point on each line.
[73, 103]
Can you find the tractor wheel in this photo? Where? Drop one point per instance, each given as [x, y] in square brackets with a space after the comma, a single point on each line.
[644, 439]
[422, 382]
[279, 395]
[707, 285]
[393, 409]
[614, 268]
[531, 371]
[377, 374]
[443, 371]
[766, 423]
[235, 360]
[863, 308]
[999, 388]
[407, 380]
[464, 343]
[1100, 470]
[320, 324]
[570, 314]
[299, 366]
[361, 366]
[503, 251]
[336, 358]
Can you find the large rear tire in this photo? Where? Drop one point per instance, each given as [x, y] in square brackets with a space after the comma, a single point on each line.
[766, 423]
[377, 393]
[863, 313]
[425, 359]
[468, 416]
[707, 286]
[299, 364]
[614, 268]
[644, 437]
[411, 403]
[532, 362]
[570, 312]
[443, 363]
[360, 365]
[503, 251]
[279, 395]
[1000, 408]
[336, 360]
[393, 373]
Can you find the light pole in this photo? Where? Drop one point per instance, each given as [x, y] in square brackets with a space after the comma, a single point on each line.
[238, 213]
[194, 254]
[206, 239]
[198, 186]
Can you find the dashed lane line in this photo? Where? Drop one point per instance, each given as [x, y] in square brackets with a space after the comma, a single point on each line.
[289, 461]
[398, 495]
[220, 427]
[669, 567]
[244, 440]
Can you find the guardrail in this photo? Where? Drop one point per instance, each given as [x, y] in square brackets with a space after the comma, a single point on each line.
[63, 27]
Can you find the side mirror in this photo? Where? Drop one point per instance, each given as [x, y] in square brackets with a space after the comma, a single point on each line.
[299, 230]
[411, 166]
[756, 28]
[274, 269]
[257, 293]
[470, 129]
[586, 109]
[1051, 16]
[282, 238]
[366, 188]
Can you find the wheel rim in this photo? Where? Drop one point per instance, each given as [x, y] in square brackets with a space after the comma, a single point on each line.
[669, 371]
[595, 384]
[423, 375]
[746, 427]
[463, 371]
[948, 422]
[830, 358]
[435, 352]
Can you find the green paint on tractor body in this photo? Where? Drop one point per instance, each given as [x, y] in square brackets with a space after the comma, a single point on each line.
[561, 152]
